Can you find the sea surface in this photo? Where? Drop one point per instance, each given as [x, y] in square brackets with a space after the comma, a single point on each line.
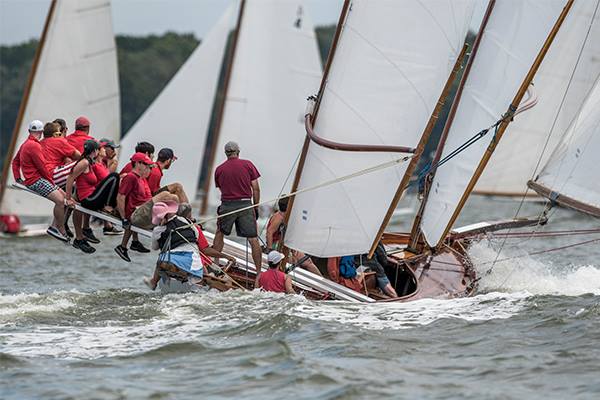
[74, 326]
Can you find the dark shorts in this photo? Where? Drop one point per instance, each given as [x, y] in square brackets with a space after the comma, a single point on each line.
[245, 221]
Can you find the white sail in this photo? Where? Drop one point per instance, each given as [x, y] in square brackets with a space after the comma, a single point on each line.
[180, 116]
[392, 61]
[276, 66]
[76, 75]
[572, 171]
[514, 35]
[522, 150]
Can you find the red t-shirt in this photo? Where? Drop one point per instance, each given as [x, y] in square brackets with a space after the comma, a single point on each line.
[77, 139]
[126, 169]
[100, 170]
[154, 178]
[202, 244]
[30, 159]
[86, 184]
[136, 190]
[272, 280]
[234, 178]
[56, 149]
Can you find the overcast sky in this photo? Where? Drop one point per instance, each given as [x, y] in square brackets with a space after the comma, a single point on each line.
[21, 20]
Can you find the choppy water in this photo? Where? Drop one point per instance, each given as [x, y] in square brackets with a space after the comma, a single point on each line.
[74, 326]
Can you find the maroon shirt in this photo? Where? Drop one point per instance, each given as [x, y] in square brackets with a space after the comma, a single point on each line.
[77, 139]
[234, 178]
[154, 178]
[272, 280]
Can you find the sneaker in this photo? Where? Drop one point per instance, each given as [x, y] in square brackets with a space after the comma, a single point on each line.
[89, 235]
[122, 252]
[139, 247]
[56, 234]
[84, 246]
[68, 231]
[112, 231]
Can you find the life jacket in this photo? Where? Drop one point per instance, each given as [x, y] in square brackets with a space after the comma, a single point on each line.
[10, 223]
[179, 235]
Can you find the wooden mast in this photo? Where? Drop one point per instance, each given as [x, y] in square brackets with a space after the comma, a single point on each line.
[420, 147]
[221, 107]
[307, 140]
[415, 231]
[506, 120]
[24, 101]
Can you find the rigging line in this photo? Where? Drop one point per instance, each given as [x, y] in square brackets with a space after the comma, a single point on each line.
[344, 178]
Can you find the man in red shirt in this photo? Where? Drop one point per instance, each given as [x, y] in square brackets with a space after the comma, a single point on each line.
[60, 154]
[81, 134]
[237, 180]
[134, 203]
[274, 280]
[31, 161]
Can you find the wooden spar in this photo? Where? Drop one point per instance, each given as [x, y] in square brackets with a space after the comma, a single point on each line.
[564, 200]
[302, 160]
[24, 101]
[221, 108]
[506, 120]
[420, 147]
[527, 194]
[415, 231]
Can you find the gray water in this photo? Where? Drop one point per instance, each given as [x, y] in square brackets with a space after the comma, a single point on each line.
[78, 326]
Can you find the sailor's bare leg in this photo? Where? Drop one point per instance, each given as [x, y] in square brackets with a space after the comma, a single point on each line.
[218, 241]
[58, 197]
[78, 224]
[307, 264]
[256, 252]
[86, 221]
[126, 236]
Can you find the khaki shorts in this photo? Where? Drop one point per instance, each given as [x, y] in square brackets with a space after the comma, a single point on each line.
[142, 216]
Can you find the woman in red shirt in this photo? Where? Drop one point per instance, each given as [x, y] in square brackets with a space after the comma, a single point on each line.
[95, 191]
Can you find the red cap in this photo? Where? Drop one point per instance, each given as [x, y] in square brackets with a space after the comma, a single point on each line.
[82, 122]
[141, 157]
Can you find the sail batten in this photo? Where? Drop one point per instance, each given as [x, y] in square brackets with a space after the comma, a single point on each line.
[391, 63]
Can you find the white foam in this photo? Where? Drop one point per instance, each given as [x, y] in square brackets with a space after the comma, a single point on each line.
[521, 272]
[12, 306]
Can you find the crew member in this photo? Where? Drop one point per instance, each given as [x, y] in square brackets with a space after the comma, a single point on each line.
[59, 153]
[81, 133]
[274, 280]
[237, 180]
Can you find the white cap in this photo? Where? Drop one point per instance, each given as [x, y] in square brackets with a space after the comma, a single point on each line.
[36, 126]
[274, 257]
[232, 147]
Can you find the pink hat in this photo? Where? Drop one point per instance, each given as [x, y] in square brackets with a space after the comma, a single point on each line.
[82, 122]
[160, 209]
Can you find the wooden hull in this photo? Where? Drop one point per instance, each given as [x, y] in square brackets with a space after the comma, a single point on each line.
[446, 274]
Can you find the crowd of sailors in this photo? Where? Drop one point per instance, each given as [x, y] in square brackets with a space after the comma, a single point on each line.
[76, 168]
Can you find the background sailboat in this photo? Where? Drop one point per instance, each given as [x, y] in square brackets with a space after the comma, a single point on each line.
[74, 73]
[565, 78]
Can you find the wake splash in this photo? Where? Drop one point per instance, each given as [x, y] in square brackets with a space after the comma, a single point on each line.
[522, 273]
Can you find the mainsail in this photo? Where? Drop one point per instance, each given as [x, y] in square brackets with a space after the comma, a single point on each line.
[76, 75]
[511, 40]
[562, 83]
[391, 63]
[570, 177]
[276, 66]
[180, 116]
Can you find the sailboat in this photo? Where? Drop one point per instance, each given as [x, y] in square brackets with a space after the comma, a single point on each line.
[74, 72]
[272, 66]
[388, 73]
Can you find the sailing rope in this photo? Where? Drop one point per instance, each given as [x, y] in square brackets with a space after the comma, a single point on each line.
[549, 204]
[344, 178]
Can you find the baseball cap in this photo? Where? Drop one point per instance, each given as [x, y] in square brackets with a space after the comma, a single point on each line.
[36, 126]
[274, 257]
[82, 122]
[231, 147]
[90, 145]
[166, 154]
[110, 143]
[141, 157]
